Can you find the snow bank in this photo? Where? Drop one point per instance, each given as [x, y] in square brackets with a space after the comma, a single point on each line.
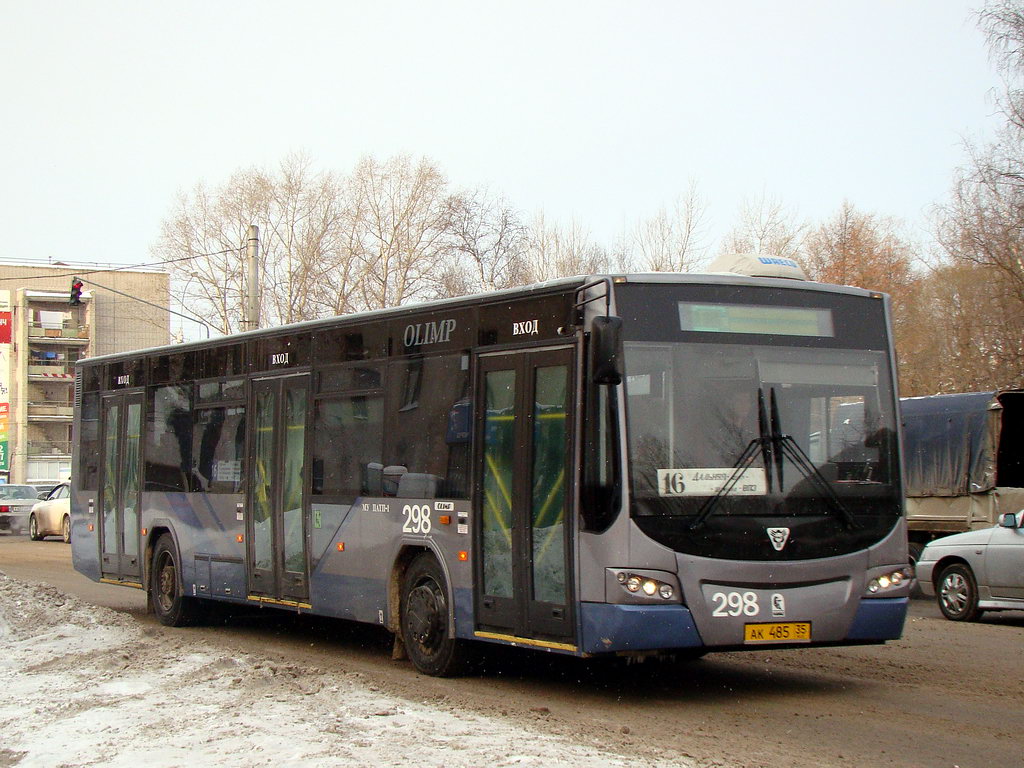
[83, 685]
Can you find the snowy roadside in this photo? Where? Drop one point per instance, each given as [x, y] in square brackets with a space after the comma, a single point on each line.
[83, 685]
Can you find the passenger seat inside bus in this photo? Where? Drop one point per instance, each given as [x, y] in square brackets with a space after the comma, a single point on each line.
[417, 485]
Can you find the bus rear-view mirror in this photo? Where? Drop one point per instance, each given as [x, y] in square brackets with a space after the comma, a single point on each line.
[606, 343]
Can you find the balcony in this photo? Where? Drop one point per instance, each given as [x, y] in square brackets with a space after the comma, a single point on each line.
[69, 333]
[51, 410]
[48, 370]
[60, 448]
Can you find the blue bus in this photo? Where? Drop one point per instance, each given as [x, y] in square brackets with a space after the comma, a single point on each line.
[605, 465]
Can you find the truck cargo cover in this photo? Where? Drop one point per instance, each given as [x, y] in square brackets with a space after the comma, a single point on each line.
[950, 443]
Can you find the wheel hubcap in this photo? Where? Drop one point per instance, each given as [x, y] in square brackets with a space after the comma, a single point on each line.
[425, 615]
[166, 583]
[955, 593]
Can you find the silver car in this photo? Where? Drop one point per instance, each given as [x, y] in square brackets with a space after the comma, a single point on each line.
[16, 502]
[976, 571]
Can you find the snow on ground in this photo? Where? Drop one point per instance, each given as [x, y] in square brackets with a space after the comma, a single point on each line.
[82, 685]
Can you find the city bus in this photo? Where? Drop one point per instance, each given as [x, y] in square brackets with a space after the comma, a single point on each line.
[632, 465]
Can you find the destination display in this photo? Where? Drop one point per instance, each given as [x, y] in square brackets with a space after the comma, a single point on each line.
[755, 318]
[709, 482]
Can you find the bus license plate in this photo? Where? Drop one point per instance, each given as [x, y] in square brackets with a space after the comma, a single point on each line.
[778, 632]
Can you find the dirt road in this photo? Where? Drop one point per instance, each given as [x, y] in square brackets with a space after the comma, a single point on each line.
[945, 695]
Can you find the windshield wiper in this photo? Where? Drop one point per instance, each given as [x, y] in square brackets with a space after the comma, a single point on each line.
[786, 446]
[765, 443]
[775, 447]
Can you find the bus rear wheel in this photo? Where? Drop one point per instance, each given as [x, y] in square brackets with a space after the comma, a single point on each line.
[166, 592]
[425, 622]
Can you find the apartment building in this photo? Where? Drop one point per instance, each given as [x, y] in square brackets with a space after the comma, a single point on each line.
[41, 337]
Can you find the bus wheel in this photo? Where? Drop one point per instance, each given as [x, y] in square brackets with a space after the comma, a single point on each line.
[33, 529]
[172, 607]
[958, 593]
[424, 620]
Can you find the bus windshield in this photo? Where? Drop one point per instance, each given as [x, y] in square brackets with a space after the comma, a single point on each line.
[696, 412]
[725, 432]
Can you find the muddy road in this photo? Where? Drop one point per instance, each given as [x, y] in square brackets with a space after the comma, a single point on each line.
[947, 694]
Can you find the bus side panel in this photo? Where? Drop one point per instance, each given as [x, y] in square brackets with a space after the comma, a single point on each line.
[207, 531]
[85, 543]
[352, 575]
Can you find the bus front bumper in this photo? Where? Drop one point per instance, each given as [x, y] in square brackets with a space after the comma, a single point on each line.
[609, 628]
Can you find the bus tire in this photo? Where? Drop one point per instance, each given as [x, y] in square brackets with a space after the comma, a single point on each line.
[166, 591]
[425, 624]
[958, 593]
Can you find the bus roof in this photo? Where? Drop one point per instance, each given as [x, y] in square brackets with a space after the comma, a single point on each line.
[547, 287]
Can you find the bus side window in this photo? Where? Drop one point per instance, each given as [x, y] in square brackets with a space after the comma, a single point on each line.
[169, 438]
[347, 437]
[219, 449]
[89, 442]
[427, 403]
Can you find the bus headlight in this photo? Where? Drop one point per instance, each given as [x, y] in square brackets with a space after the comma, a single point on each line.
[626, 585]
[889, 580]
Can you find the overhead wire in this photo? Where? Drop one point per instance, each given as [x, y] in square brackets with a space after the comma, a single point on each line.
[114, 268]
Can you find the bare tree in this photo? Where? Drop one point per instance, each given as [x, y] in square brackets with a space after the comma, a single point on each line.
[202, 241]
[486, 245]
[963, 333]
[398, 216]
[765, 227]
[299, 213]
[981, 227]
[670, 241]
[554, 251]
[862, 249]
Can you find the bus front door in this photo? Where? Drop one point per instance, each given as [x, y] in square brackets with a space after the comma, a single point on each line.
[120, 487]
[523, 494]
[275, 523]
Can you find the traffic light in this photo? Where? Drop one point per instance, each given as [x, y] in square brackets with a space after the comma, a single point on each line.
[76, 292]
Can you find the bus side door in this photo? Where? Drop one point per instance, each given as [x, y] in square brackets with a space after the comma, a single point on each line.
[524, 482]
[121, 486]
[275, 519]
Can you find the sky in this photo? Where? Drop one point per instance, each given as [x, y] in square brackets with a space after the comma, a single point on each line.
[597, 113]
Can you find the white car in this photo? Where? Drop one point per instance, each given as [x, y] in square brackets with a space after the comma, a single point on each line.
[52, 517]
[976, 571]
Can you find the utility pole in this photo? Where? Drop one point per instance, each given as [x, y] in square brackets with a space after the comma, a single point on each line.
[252, 281]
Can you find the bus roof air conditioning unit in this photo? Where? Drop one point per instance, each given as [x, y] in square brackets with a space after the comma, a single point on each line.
[755, 265]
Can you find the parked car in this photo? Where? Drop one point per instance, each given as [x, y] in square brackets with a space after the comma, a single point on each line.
[52, 516]
[16, 502]
[976, 571]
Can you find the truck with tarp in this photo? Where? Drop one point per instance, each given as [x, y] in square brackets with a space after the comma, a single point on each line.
[964, 462]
